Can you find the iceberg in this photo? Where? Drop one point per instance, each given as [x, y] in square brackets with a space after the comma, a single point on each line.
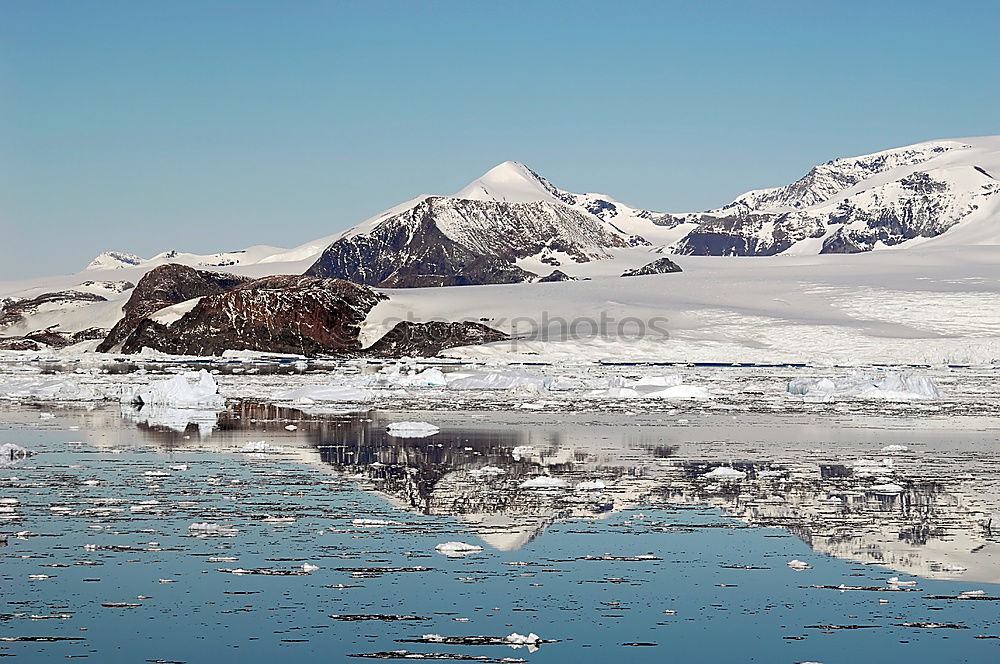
[189, 390]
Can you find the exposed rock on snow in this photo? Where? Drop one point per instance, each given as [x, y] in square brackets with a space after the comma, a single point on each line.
[407, 339]
[853, 204]
[891, 386]
[446, 241]
[283, 314]
[190, 390]
[161, 287]
[660, 266]
[554, 276]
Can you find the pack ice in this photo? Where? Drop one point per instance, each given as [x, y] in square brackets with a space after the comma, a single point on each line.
[891, 386]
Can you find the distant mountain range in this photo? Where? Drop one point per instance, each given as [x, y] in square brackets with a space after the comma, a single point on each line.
[513, 225]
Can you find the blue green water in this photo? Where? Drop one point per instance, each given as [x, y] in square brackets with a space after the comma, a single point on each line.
[593, 607]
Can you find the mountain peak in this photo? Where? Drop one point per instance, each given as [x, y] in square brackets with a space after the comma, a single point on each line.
[510, 182]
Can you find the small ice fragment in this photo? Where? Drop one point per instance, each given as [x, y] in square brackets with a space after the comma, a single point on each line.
[290, 427]
[543, 482]
[799, 565]
[725, 473]
[454, 549]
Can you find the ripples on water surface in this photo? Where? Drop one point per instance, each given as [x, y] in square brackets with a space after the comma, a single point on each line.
[322, 539]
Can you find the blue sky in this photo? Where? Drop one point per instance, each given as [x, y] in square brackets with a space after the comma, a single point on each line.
[209, 125]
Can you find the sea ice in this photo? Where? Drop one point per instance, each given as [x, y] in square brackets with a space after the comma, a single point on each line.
[543, 482]
[890, 386]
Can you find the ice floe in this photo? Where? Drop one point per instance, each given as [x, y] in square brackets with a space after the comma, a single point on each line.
[890, 386]
[457, 549]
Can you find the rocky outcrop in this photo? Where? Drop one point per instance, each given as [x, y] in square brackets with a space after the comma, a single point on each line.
[161, 287]
[281, 314]
[17, 309]
[409, 339]
[851, 205]
[446, 241]
[660, 266]
[556, 275]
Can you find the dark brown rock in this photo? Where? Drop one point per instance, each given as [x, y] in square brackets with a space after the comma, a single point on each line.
[281, 314]
[161, 287]
[660, 266]
[16, 309]
[428, 339]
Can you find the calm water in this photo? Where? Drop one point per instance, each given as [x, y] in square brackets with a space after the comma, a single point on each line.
[653, 558]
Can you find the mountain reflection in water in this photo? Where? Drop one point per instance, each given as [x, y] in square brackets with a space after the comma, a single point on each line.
[927, 510]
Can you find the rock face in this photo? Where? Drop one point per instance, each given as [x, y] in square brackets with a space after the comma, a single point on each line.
[447, 241]
[280, 314]
[161, 287]
[853, 205]
[15, 310]
[429, 339]
[556, 275]
[660, 266]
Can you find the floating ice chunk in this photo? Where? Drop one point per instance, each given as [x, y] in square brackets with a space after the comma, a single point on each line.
[189, 390]
[522, 451]
[335, 393]
[309, 567]
[412, 429]
[590, 485]
[887, 488]
[372, 523]
[487, 471]
[500, 380]
[891, 386]
[894, 448]
[261, 447]
[543, 482]
[290, 427]
[455, 549]
[11, 454]
[517, 640]
[660, 381]
[798, 565]
[725, 473]
[681, 392]
[205, 529]
[430, 377]
[894, 581]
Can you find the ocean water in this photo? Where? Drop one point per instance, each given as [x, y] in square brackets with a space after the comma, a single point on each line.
[632, 553]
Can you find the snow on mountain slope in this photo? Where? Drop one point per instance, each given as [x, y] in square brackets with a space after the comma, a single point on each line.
[486, 233]
[861, 203]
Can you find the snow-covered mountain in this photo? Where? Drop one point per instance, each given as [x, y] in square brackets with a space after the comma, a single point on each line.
[510, 225]
[861, 203]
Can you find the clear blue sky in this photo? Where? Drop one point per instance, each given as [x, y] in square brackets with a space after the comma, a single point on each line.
[210, 125]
